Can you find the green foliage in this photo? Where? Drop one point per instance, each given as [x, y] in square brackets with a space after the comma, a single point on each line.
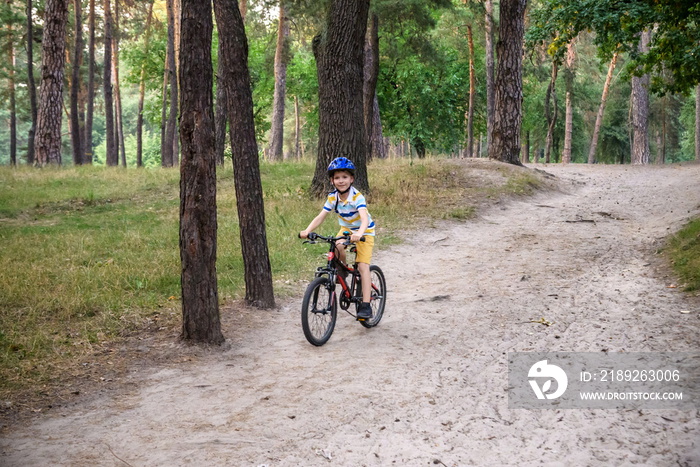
[424, 74]
[675, 42]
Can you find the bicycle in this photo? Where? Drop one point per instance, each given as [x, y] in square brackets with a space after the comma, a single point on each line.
[319, 307]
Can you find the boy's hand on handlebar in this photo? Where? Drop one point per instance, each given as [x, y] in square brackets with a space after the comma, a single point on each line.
[306, 234]
[355, 237]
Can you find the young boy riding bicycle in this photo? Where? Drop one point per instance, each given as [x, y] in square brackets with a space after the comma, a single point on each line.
[351, 207]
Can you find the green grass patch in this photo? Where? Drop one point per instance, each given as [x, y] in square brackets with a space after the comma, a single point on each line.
[91, 254]
[684, 251]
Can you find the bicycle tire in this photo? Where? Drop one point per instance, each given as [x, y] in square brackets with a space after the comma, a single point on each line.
[317, 321]
[378, 300]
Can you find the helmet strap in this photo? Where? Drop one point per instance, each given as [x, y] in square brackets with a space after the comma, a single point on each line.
[344, 191]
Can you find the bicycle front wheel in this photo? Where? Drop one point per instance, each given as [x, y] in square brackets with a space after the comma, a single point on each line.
[319, 311]
[378, 297]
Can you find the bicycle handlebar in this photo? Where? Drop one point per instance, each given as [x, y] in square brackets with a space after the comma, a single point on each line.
[313, 236]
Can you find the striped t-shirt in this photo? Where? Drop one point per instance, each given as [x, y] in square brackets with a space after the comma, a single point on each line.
[348, 210]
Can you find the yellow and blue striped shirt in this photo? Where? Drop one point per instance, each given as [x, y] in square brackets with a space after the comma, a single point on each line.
[348, 210]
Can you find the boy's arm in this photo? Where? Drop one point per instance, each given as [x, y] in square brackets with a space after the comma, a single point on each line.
[318, 220]
[364, 222]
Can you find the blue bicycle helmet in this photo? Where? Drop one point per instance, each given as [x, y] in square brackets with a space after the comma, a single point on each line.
[341, 163]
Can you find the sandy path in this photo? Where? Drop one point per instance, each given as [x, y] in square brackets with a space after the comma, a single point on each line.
[428, 386]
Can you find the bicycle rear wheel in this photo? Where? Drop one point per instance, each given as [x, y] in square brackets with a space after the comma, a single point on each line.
[378, 298]
[319, 311]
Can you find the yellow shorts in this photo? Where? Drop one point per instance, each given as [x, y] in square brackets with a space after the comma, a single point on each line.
[364, 249]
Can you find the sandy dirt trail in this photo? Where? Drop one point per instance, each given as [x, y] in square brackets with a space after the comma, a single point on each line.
[428, 385]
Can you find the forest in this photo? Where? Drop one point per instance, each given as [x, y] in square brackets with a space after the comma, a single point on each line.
[159, 158]
[436, 67]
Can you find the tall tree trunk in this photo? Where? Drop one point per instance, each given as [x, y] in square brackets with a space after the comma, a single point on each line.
[142, 90]
[297, 129]
[170, 155]
[13, 100]
[569, 72]
[661, 146]
[490, 68]
[87, 155]
[371, 74]
[117, 89]
[31, 85]
[640, 109]
[246, 169]
[378, 145]
[75, 135]
[221, 114]
[601, 110]
[472, 94]
[274, 151]
[551, 111]
[339, 51]
[526, 148]
[47, 145]
[112, 156]
[697, 122]
[198, 222]
[243, 7]
[507, 121]
[165, 148]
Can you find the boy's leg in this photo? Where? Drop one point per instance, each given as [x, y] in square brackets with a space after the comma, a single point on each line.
[366, 279]
[364, 258]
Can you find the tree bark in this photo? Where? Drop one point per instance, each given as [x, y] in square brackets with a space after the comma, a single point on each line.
[76, 140]
[378, 144]
[31, 85]
[165, 149]
[569, 72]
[13, 99]
[490, 92]
[142, 91]
[472, 94]
[198, 222]
[47, 145]
[297, 129]
[369, 86]
[601, 110]
[221, 114]
[274, 151]
[697, 122]
[246, 170]
[339, 51]
[507, 121]
[87, 147]
[551, 111]
[526, 148]
[112, 156]
[169, 154]
[119, 129]
[661, 146]
[640, 110]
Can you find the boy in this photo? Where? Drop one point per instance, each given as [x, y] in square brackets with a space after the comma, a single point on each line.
[351, 208]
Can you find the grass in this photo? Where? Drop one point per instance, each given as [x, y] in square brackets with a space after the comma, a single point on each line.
[684, 251]
[89, 255]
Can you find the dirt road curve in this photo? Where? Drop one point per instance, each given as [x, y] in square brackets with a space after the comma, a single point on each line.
[428, 386]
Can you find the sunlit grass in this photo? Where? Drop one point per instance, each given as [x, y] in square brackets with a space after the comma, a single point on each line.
[684, 250]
